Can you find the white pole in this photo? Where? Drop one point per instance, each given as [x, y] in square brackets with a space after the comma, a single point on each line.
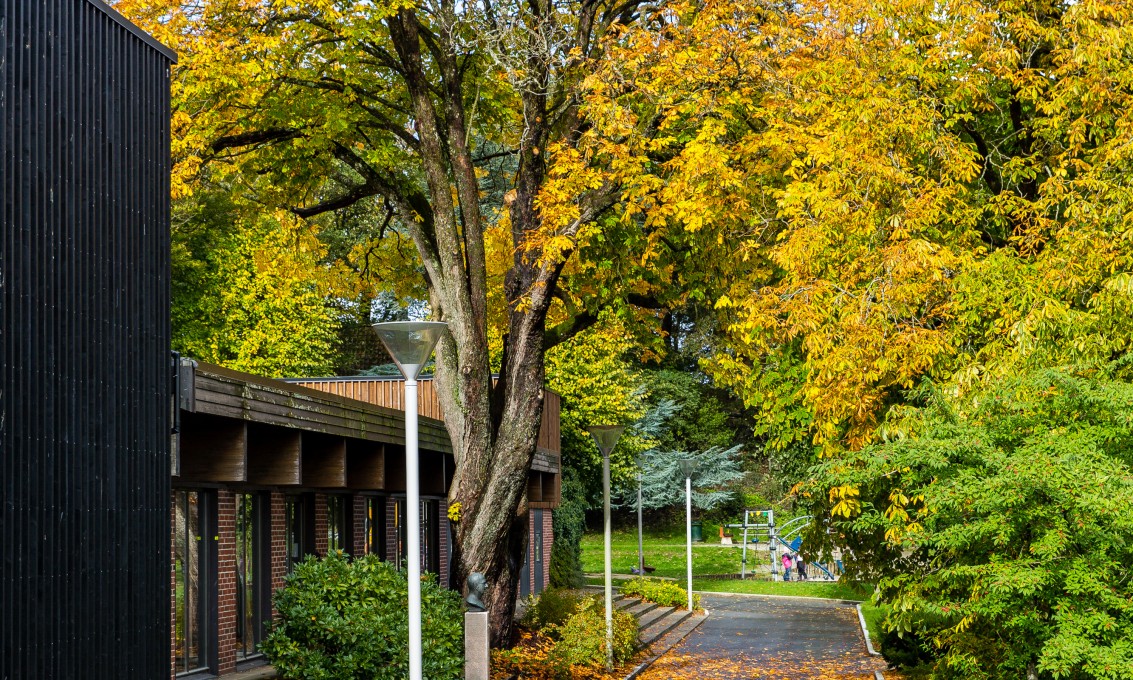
[640, 550]
[743, 560]
[609, 576]
[413, 515]
[688, 535]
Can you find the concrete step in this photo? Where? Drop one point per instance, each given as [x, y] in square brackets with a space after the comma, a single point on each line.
[638, 607]
[655, 630]
[653, 616]
[625, 602]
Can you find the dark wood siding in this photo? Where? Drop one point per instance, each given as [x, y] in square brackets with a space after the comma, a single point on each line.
[84, 344]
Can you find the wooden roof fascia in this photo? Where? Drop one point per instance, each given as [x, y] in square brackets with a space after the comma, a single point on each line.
[233, 394]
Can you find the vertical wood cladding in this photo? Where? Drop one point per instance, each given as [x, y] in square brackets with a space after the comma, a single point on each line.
[84, 344]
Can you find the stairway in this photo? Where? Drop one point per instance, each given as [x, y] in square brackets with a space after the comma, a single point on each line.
[653, 619]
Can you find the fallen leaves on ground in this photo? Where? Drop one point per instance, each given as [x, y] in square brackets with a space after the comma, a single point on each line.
[708, 666]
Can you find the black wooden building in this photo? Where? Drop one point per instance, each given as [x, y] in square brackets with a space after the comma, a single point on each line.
[84, 344]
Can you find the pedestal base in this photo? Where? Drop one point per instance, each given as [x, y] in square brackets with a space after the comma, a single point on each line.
[477, 664]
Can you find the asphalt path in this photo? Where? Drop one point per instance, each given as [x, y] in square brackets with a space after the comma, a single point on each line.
[767, 637]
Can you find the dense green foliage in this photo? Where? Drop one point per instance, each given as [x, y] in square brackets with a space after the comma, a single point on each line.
[342, 619]
[570, 523]
[660, 591]
[582, 640]
[550, 609]
[243, 293]
[564, 638]
[999, 526]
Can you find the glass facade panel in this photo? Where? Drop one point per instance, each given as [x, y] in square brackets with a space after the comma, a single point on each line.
[399, 523]
[188, 596]
[376, 526]
[337, 528]
[293, 515]
[250, 530]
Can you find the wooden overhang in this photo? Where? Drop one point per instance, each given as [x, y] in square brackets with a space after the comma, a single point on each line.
[544, 482]
[242, 429]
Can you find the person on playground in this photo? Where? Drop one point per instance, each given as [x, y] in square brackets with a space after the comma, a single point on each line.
[800, 567]
[786, 566]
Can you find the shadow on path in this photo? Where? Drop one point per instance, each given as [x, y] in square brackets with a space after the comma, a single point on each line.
[764, 637]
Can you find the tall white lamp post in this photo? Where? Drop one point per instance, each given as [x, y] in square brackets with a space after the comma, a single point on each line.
[606, 437]
[410, 343]
[688, 468]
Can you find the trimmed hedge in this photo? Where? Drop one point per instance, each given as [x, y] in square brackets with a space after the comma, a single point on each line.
[664, 593]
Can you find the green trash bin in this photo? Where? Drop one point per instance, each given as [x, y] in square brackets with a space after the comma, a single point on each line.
[697, 532]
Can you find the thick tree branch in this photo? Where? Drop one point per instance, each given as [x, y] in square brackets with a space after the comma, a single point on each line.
[268, 135]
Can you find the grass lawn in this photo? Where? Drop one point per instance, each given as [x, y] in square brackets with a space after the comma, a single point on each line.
[666, 552]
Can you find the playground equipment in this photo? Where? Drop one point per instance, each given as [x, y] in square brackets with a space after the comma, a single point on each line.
[760, 524]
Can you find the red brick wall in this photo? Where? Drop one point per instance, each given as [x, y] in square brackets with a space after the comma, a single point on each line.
[278, 543]
[391, 530]
[443, 562]
[321, 524]
[226, 580]
[548, 538]
[358, 523]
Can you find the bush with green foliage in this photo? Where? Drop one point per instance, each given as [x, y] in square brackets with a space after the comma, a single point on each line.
[582, 640]
[659, 591]
[563, 638]
[999, 526]
[345, 619]
[570, 523]
[550, 609]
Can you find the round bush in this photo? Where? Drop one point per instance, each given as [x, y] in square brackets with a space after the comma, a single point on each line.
[550, 609]
[342, 619]
[582, 639]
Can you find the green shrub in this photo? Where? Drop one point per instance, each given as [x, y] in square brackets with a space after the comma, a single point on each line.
[570, 523]
[551, 609]
[664, 593]
[343, 620]
[582, 639]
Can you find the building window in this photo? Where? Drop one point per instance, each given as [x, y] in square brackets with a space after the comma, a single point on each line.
[339, 512]
[401, 549]
[295, 517]
[253, 572]
[192, 571]
[376, 526]
[537, 539]
[430, 537]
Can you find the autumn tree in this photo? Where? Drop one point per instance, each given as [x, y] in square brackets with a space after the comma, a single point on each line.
[892, 191]
[447, 121]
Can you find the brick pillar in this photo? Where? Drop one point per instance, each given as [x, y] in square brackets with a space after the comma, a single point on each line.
[226, 581]
[443, 545]
[278, 544]
[321, 524]
[548, 539]
[359, 524]
[391, 530]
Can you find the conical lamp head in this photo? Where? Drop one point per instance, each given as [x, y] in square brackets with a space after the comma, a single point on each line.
[410, 343]
[606, 436]
[688, 466]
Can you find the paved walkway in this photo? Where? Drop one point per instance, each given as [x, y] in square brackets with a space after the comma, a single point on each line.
[773, 638]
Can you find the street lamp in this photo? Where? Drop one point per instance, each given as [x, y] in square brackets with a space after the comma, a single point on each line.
[410, 343]
[688, 468]
[606, 437]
